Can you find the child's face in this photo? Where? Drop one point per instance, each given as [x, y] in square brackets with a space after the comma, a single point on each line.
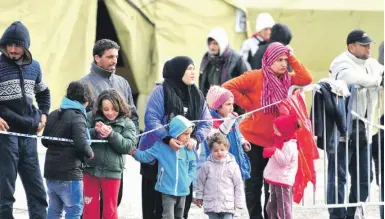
[276, 132]
[108, 110]
[226, 108]
[219, 151]
[185, 136]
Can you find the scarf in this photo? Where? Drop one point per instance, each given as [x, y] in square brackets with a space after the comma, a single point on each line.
[274, 88]
[177, 94]
[224, 61]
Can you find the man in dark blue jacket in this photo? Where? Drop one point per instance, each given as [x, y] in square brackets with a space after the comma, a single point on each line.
[21, 81]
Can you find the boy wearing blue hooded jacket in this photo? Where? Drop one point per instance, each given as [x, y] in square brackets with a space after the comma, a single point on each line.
[176, 169]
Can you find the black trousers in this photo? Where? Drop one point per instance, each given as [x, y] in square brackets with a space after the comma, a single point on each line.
[151, 200]
[255, 183]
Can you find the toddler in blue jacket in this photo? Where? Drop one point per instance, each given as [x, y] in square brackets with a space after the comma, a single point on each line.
[176, 169]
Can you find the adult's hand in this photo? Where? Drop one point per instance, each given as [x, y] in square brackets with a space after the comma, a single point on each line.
[198, 202]
[175, 144]
[192, 143]
[246, 146]
[3, 125]
[43, 122]
[291, 50]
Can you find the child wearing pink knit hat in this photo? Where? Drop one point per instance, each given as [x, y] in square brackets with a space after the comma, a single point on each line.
[220, 102]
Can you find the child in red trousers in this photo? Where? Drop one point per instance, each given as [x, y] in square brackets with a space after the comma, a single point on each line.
[282, 166]
[110, 121]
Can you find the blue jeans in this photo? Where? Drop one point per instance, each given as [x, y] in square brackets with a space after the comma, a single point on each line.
[364, 172]
[19, 155]
[67, 195]
[220, 215]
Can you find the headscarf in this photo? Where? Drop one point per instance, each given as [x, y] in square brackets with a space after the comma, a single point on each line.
[177, 94]
[274, 88]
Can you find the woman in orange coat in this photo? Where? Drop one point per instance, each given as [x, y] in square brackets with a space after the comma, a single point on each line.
[260, 88]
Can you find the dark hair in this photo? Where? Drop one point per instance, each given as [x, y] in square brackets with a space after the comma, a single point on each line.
[219, 139]
[119, 104]
[103, 45]
[79, 91]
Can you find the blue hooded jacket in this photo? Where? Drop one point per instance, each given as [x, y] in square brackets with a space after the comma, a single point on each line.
[176, 169]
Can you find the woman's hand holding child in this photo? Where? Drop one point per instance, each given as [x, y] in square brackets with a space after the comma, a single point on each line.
[175, 144]
[192, 143]
[198, 202]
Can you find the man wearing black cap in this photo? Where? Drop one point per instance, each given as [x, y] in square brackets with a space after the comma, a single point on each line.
[20, 81]
[355, 67]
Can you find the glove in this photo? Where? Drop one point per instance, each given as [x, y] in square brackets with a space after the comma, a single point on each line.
[225, 127]
[268, 152]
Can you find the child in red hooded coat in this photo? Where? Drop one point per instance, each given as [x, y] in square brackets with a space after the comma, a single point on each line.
[282, 166]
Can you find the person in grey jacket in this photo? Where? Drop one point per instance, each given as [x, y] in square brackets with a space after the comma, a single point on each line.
[102, 74]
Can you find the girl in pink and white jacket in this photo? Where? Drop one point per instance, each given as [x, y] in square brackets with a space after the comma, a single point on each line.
[219, 185]
[282, 166]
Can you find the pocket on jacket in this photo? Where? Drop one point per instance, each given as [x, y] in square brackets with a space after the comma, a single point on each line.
[209, 203]
[160, 177]
[229, 203]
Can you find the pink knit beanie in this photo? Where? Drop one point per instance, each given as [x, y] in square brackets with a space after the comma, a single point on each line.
[216, 96]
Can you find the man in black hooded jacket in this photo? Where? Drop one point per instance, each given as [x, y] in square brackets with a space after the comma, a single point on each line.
[20, 81]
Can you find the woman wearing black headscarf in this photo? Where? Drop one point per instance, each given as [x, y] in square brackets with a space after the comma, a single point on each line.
[178, 95]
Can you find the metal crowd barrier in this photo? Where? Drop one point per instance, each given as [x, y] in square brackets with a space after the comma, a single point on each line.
[370, 201]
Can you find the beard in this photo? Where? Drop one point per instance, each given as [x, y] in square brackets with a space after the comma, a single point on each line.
[15, 57]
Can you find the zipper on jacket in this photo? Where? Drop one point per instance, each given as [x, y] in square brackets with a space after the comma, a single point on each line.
[177, 172]
[160, 176]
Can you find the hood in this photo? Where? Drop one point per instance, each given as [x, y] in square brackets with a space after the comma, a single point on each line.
[229, 158]
[17, 33]
[280, 33]
[219, 35]
[286, 125]
[70, 104]
[178, 125]
[264, 20]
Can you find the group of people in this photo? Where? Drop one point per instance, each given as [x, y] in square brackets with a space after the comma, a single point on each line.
[220, 162]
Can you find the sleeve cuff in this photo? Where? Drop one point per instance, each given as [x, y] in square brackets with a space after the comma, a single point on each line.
[45, 110]
[167, 140]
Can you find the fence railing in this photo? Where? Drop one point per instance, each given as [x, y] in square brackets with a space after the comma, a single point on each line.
[347, 157]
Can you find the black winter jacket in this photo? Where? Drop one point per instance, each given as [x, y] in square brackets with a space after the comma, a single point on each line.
[64, 160]
[335, 115]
